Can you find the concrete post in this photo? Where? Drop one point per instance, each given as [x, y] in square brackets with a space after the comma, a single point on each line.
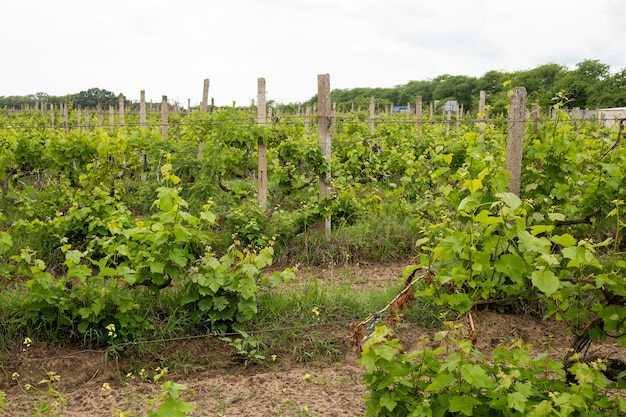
[515, 138]
[164, 116]
[205, 96]
[324, 124]
[262, 152]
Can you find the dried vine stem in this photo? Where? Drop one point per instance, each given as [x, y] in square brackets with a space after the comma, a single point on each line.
[407, 286]
[617, 141]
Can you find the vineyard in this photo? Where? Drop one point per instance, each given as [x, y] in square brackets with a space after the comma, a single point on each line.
[108, 235]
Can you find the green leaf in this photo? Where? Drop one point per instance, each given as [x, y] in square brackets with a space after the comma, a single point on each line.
[73, 257]
[220, 303]
[107, 272]
[179, 257]
[531, 244]
[473, 185]
[157, 267]
[385, 351]
[181, 234]
[249, 269]
[517, 401]
[171, 407]
[556, 217]
[6, 242]
[512, 266]
[172, 388]
[123, 250]
[485, 218]
[541, 228]
[129, 274]
[613, 317]
[368, 360]
[510, 199]
[205, 304]
[459, 302]
[475, 375]
[580, 256]
[442, 381]
[564, 239]
[546, 281]
[387, 402]
[80, 272]
[166, 202]
[246, 309]
[208, 217]
[463, 404]
[247, 288]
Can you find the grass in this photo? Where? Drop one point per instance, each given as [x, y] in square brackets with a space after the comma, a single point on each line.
[310, 322]
[375, 238]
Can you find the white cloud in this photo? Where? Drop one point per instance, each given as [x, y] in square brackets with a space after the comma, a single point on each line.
[169, 48]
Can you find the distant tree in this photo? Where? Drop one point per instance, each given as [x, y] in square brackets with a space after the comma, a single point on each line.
[589, 85]
[540, 83]
[579, 83]
[492, 82]
[459, 87]
[93, 96]
[409, 91]
[610, 92]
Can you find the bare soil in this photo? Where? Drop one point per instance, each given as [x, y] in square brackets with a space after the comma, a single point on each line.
[95, 384]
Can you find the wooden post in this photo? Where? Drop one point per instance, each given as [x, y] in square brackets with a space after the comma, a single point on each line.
[121, 108]
[481, 105]
[535, 114]
[52, 114]
[205, 96]
[142, 109]
[372, 113]
[111, 118]
[324, 122]
[164, 116]
[79, 116]
[418, 114]
[99, 114]
[262, 152]
[66, 117]
[307, 115]
[515, 138]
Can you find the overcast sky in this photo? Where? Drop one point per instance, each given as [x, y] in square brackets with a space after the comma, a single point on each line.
[169, 47]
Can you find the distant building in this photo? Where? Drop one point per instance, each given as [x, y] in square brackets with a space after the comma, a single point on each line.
[451, 106]
[609, 117]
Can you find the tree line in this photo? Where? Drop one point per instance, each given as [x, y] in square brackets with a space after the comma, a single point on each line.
[85, 99]
[591, 84]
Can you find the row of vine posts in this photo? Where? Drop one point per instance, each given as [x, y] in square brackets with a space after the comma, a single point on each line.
[326, 118]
